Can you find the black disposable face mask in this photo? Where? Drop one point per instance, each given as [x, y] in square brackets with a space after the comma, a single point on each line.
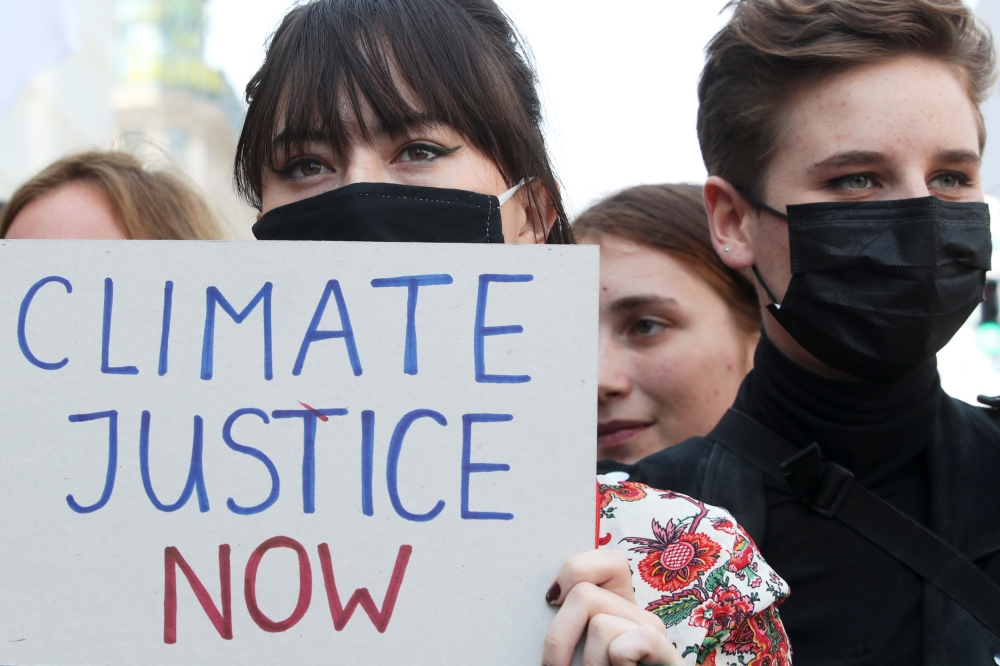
[385, 212]
[879, 287]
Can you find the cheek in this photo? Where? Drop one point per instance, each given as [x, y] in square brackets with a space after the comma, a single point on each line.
[693, 367]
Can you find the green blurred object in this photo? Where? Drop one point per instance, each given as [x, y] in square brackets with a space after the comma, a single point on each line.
[988, 338]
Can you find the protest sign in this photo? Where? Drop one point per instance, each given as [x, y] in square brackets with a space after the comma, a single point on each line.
[258, 453]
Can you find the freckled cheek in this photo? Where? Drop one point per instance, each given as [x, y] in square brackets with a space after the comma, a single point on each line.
[668, 373]
[688, 371]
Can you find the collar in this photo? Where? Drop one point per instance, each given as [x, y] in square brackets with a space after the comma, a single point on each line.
[872, 429]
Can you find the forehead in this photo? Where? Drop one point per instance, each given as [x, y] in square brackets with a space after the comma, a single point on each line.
[905, 108]
[628, 267]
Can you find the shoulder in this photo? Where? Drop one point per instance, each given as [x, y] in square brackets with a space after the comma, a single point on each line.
[698, 570]
[983, 423]
[678, 467]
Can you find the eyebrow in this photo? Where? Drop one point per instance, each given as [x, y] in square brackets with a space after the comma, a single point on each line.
[642, 301]
[862, 157]
[959, 157]
[850, 158]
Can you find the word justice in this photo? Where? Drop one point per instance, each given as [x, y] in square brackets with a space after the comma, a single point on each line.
[215, 300]
[222, 619]
[196, 483]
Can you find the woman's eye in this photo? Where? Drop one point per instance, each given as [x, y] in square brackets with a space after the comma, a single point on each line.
[948, 180]
[305, 168]
[423, 152]
[646, 327]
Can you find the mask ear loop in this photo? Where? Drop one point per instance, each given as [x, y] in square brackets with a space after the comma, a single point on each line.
[760, 204]
[506, 196]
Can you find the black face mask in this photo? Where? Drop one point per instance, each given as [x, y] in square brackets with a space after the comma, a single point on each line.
[388, 213]
[879, 287]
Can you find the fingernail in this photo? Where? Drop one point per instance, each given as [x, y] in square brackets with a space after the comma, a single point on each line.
[553, 593]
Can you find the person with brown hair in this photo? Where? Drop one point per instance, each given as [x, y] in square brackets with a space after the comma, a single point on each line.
[107, 195]
[678, 327]
[843, 140]
[358, 130]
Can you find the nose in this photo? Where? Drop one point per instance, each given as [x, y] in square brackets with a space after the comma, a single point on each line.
[912, 185]
[364, 165]
[612, 372]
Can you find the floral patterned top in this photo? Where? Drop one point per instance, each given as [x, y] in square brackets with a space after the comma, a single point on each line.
[699, 571]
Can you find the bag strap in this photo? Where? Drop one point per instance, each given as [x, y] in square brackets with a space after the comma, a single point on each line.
[830, 490]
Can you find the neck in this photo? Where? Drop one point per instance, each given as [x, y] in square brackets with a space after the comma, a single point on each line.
[869, 427]
[797, 353]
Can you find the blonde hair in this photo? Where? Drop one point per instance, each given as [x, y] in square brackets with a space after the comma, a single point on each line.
[150, 204]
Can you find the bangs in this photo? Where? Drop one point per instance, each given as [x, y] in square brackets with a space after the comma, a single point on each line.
[333, 67]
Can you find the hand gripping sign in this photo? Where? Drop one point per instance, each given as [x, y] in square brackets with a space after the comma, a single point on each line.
[258, 453]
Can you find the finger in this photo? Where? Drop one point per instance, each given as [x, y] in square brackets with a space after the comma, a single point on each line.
[601, 631]
[607, 568]
[583, 602]
[642, 645]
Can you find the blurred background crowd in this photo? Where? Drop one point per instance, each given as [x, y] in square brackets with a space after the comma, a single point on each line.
[164, 79]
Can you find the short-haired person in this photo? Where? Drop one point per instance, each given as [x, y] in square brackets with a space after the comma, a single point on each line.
[419, 121]
[843, 139]
[678, 327]
[107, 195]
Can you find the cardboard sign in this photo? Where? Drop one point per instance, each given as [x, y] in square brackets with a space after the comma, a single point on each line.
[260, 453]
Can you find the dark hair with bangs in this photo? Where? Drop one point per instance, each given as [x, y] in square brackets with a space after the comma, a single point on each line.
[772, 49]
[463, 60]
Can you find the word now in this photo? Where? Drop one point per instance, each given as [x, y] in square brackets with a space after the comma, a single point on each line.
[223, 620]
[196, 474]
[214, 299]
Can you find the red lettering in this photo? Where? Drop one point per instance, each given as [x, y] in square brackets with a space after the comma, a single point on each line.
[223, 622]
[305, 584]
[342, 615]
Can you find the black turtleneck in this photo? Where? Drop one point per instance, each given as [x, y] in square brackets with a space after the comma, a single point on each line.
[881, 433]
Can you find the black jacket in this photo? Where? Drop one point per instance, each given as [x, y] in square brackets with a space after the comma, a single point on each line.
[933, 457]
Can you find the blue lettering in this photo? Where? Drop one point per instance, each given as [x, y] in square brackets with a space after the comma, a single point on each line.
[482, 330]
[213, 296]
[469, 467]
[168, 301]
[392, 465]
[313, 334]
[109, 479]
[22, 318]
[412, 284]
[227, 436]
[106, 368]
[308, 417]
[196, 475]
[367, 460]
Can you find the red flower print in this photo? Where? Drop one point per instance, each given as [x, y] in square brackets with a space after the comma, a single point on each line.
[675, 558]
[725, 610]
[742, 555]
[625, 491]
[762, 637]
[724, 525]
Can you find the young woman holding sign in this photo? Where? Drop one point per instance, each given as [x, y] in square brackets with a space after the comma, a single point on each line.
[418, 121]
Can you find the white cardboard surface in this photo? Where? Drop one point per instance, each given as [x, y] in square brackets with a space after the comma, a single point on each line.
[90, 588]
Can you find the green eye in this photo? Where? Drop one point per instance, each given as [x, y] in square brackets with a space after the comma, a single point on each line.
[949, 180]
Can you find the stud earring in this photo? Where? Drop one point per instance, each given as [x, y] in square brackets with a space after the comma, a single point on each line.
[727, 249]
